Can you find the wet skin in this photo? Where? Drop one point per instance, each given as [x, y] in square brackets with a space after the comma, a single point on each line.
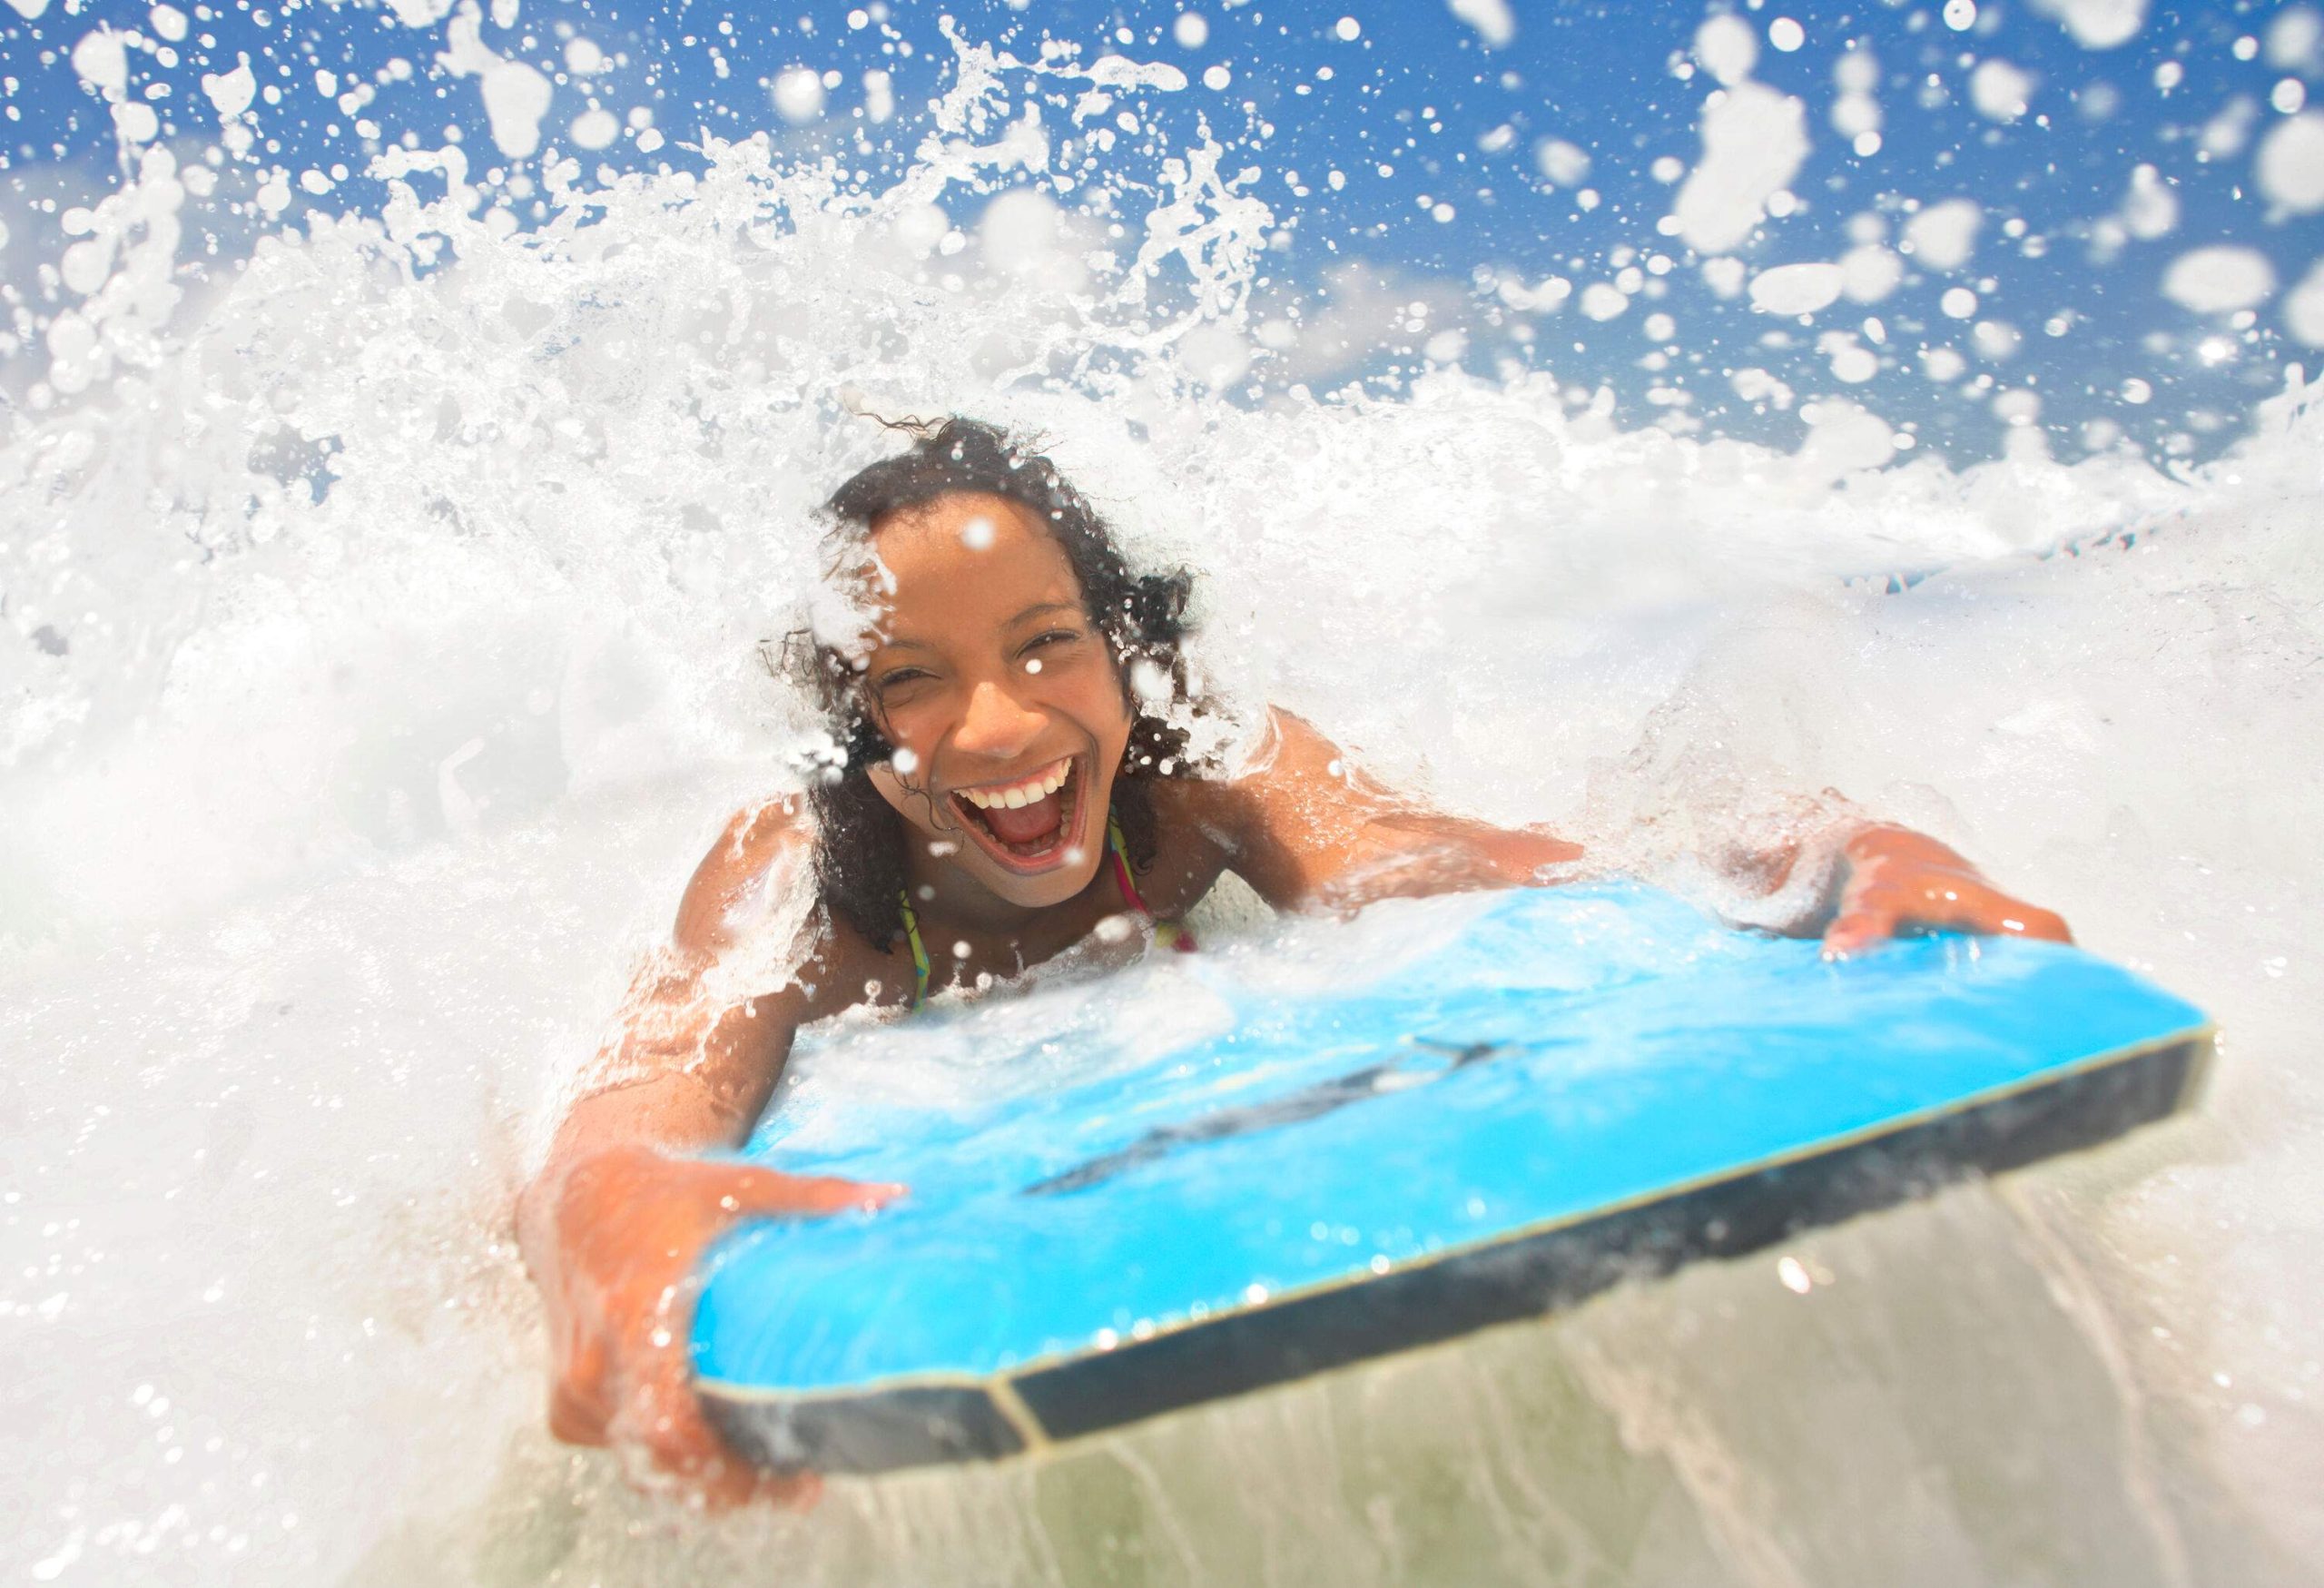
[984, 668]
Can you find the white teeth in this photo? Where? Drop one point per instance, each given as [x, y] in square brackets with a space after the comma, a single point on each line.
[1024, 793]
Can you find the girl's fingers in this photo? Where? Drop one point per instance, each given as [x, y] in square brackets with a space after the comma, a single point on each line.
[573, 1417]
[1873, 911]
[1859, 928]
[765, 1191]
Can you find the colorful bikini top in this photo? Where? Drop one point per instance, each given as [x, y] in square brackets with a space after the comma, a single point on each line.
[1170, 934]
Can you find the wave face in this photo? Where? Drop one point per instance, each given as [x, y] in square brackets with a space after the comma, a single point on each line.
[389, 613]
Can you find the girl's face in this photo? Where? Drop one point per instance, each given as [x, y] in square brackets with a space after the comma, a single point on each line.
[1001, 698]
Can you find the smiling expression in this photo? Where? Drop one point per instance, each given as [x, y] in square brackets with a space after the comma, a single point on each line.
[1001, 698]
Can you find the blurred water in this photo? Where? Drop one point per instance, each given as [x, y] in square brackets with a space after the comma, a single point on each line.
[388, 626]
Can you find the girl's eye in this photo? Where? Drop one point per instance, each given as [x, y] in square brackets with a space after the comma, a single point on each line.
[1054, 637]
[900, 677]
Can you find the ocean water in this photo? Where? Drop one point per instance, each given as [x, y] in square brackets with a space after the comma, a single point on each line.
[389, 613]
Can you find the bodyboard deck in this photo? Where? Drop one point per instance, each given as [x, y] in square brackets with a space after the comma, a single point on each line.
[1556, 1090]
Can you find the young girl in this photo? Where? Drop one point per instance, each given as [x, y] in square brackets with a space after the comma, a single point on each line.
[1005, 779]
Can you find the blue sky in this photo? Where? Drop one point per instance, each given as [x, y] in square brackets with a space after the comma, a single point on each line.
[1435, 124]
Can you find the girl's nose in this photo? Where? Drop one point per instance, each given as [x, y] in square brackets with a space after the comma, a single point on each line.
[995, 725]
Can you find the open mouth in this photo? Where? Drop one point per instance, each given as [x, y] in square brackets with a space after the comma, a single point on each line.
[1026, 825]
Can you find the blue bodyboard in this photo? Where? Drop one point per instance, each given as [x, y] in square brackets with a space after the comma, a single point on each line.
[1540, 1093]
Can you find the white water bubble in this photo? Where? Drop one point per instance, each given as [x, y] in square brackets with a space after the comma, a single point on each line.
[2288, 96]
[2296, 39]
[2303, 307]
[2220, 280]
[2097, 25]
[101, 59]
[1798, 288]
[1192, 30]
[1216, 78]
[1958, 303]
[1564, 164]
[1854, 114]
[1995, 340]
[1786, 34]
[2151, 209]
[1943, 235]
[2001, 91]
[1214, 355]
[595, 128]
[583, 58]
[167, 22]
[905, 760]
[1870, 272]
[1726, 47]
[1854, 364]
[1943, 364]
[1347, 29]
[1601, 301]
[1492, 19]
[1754, 139]
[2135, 391]
[314, 182]
[1960, 16]
[976, 534]
[798, 95]
[515, 98]
[2290, 168]
[1660, 328]
[2018, 406]
[878, 96]
[136, 122]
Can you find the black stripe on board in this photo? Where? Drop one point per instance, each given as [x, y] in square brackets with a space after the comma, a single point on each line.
[1458, 1292]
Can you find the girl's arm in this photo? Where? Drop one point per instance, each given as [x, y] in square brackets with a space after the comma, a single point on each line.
[616, 1220]
[1308, 831]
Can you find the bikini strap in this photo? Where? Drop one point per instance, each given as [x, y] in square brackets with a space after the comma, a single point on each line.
[919, 952]
[1169, 933]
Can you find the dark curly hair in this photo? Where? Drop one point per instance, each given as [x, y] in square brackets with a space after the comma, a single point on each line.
[859, 836]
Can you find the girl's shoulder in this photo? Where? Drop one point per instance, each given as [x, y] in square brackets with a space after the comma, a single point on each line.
[765, 852]
[1283, 759]
[754, 900]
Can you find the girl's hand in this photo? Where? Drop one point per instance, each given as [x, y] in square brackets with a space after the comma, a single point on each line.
[1894, 880]
[625, 1231]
